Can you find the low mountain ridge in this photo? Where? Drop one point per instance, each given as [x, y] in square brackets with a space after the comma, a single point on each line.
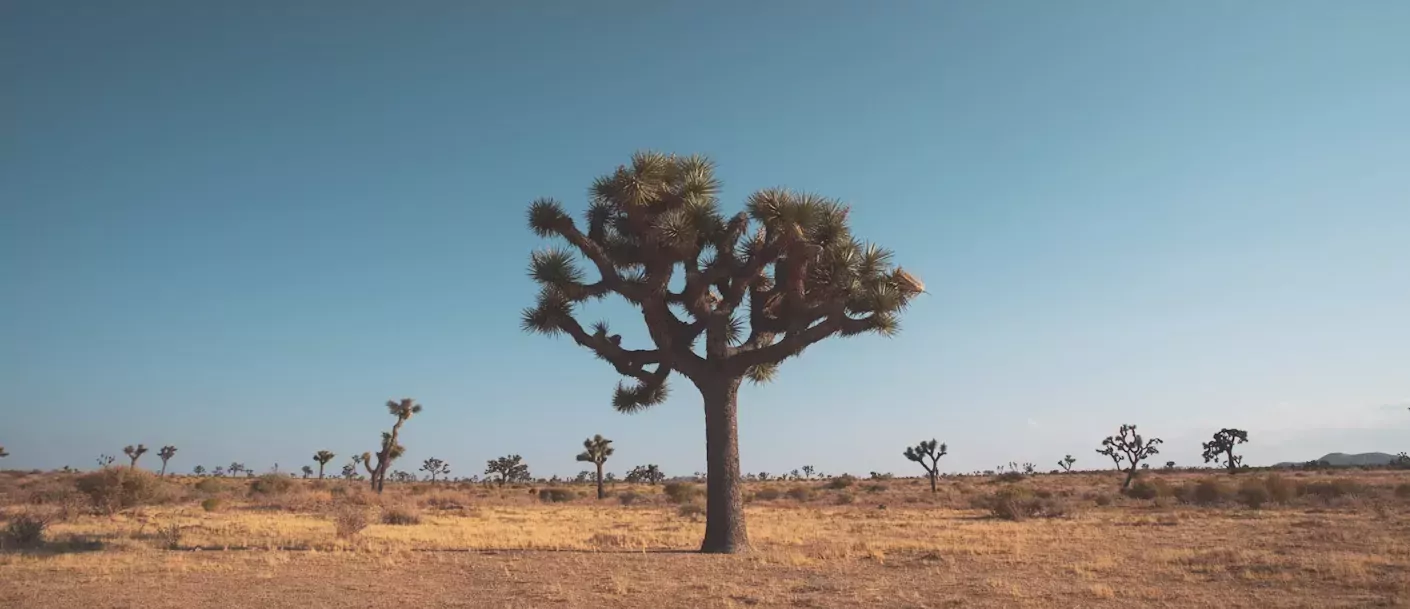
[1346, 460]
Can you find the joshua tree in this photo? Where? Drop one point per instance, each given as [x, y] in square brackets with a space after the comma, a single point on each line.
[3, 453]
[322, 457]
[1128, 449]
[932, 450]
[134, 453]
[595, 451]
[350, 470]
[1222, 445]
[808, 471]
[611, 478]
[401, 476]
[1169, 465]
[105, 460]
[199, 470]
[509, 469]
[435, 467]
[754, 298]
[308, 471]
[166, 453]
[583, 477]
[390, 450]
[648, 474]
[1066, 463]
[235, 468]
[218, 472]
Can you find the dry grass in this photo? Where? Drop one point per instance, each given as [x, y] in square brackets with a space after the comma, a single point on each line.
[898, 547]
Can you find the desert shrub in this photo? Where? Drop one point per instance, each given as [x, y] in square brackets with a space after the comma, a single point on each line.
[875, 487]
[1209, 492]
[556, 495]
[349, 520]
[1253, 493]
[444, 500]
[355, 495]
[1102, 500]
[845, 499]
[1009, 477]
[1149, 489]
[768, 493]
[1043, 493]
[800, 493]
[25, 530]
[68, 502]
[213, 504]
[1018, 503]
[400, 515]
[841, 482]
[1332, 489]
[1280, 489]
[211, 486]
[114, 489]
[168, 537]
[1402, 490]
[628, 497]
[691, 510]
[681, 492]
[271, 484]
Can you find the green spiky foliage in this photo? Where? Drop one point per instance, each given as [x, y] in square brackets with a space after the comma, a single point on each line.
[1127, 448]
[435, 467]
[166, 453]
[322, 457]
[401, 409]
[1222, 446]
[928, 454]
[754, 289]
[1066, 463]
[134, 453]
[507, 469]
[596, 450]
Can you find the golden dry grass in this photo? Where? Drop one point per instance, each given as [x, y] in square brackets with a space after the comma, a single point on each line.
[894, 547]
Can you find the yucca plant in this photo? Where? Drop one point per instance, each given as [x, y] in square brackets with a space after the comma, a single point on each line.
[595, 451]
[756, 288]
[402, 410]
[932, 451]
[166, 453]
[134, 453]
[322, 457]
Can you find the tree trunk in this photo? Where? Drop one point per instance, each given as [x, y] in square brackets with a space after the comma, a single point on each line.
[320, 470]
[600, 493]
[1130, 473]
[163, 474]
[724, 516]
[932, 481]
[1233, 469]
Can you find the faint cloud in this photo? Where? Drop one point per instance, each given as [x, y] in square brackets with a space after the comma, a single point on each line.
[1032, 422]
[1401, 405]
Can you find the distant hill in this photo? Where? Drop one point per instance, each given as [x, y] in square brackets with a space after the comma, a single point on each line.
[1345, 460]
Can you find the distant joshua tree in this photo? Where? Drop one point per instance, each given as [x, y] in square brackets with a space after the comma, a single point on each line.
[401, 476]
[235, 468]
[1066, 463]
[218, 472]
[308, 471]
[350, 470]
[932, 450]
[1169, 465]
[322, 457]
[105, 460]
[1127, 448]
[435, 467]
[808, 472]
[199, 470]
[1222, 445]
[510, 468]
[756, 288]
[647, 474]
[596, 450]
[390, 450]
[166, 453]
[134, 453]
[3, 453]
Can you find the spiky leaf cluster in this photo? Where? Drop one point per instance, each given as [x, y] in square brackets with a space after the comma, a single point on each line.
[596, 450]
[166, 453]
[757, 287]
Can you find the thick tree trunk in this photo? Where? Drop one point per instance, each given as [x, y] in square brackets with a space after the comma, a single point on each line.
[1130, 473]
[163, 474]
[320, 470]
[932, 482]
[724, 517]
[1233, 469]
[600, 493]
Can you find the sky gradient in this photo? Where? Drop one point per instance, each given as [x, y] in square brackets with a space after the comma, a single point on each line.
[240, 230]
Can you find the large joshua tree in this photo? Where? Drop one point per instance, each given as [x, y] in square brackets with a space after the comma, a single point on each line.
[322, 457]
[166, 453]
[595, 451]
[724, 298]
[931, 450]
[134, 453]
[1127, 449]
[402, 410]
[1222, 445]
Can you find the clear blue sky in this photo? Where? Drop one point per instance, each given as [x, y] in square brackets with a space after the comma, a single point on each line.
[241, 228]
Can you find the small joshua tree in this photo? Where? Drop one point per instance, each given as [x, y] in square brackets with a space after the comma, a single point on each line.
[808, 472]
[1169, 465]
[756, 288]
[134, 453]
[596, 450]
[1066, 463]
[105, 460]
[308, 471]
[350, 471]
[3, 453]
[645, 474]
[218, 472]
[931, 450]
[323, 457]
[1222, 445]
[1127, 448]
[166, 453]
[402, 410]
[235, 468]
[435, 467]
[199, 470]
[508, 469]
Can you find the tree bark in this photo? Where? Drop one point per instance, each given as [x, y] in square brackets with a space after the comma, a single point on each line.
[932, 481]
[1130, 473]
[163, 474]
[724, 517]
[320, 470]
[600, 494]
